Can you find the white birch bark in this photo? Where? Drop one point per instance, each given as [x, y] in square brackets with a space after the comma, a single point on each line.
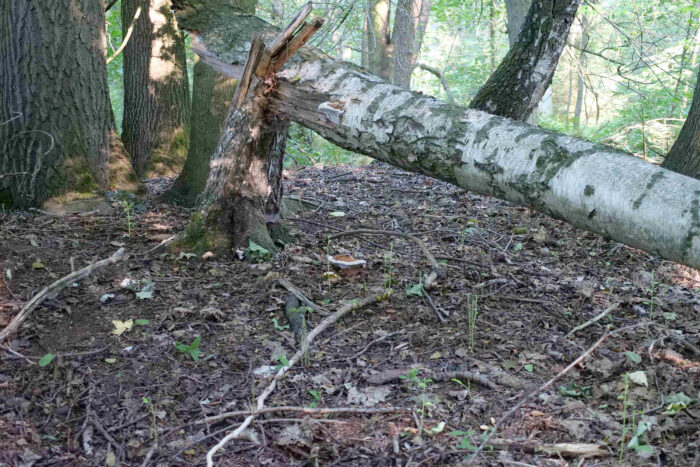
[588, 185]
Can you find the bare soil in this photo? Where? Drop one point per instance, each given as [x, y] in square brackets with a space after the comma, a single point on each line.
[125, 399]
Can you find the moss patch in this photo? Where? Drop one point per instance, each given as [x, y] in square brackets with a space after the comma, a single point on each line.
[199, 238]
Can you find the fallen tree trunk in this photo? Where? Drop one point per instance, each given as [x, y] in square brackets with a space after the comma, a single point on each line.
[591, 186]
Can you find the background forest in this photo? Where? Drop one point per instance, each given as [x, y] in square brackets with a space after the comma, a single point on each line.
[626, 76]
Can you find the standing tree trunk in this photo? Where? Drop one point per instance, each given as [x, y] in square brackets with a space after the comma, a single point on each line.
[156, 91]
[411, 17]
[580, 85]
[492, 36]
[517, 86]
[243, 192]
[378, 41]
[212, 92]
[211, 97]
[54, 116]
[684, 156]
[588, 185]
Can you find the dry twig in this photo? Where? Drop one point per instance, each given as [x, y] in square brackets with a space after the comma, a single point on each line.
[55, 287]
[322, 326]
[305, 410]
[534, 392]
[595, 319]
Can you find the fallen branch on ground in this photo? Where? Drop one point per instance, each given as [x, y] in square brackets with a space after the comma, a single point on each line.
[583, 450]
[396, 374]
[55, 287]
[322, 326]
[534, 392]
[297, 292]
[595, 319]
[306, 410]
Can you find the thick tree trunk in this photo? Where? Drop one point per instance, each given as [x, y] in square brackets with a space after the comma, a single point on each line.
[406, 38]
[211, 98]
[156, 91]
[54, 115]
[684, 156]
[517, 86]
[588, 185]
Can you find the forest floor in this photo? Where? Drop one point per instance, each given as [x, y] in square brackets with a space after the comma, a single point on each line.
[526, 280]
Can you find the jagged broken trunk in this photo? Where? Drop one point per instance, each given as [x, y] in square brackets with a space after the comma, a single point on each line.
[241, 199]
[588, 185]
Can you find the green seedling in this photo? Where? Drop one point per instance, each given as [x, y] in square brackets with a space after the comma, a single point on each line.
[415, 289]
[389, 267]
[472, 315]
[277, 325]
[465, 442]
[256, 252]
[574, 390]
[638, 441]
[192, 350]
[625, 405]
[317, 398]
[127, 207]
[329, 274]
[46, 360]
[152, 409]
[284, 362]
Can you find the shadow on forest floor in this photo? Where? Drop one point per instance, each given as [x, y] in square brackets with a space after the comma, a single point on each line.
[534, 280]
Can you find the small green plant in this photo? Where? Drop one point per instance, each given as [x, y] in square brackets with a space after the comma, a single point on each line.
[192, 350]
[412, 377]
[127, 207]
[472, 315]
[625, 405]
[465, 442]
[329, 274]
[284, 362]
[256, 252]
[152, 409]
[415, 289]
[389, 267]
[638, 441]
[423, 383]
[277, 325]
[465, 386]
[317, 398]
[46, 360]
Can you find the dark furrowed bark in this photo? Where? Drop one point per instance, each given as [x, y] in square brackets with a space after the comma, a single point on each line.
[156, 91]
[211, 98]
[684, 156]
[54, 115]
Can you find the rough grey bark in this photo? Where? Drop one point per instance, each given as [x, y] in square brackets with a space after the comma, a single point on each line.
[522, 78]
[411, 16]
[684, 156]
[588, 185]
[54, 115]
[156, 91]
